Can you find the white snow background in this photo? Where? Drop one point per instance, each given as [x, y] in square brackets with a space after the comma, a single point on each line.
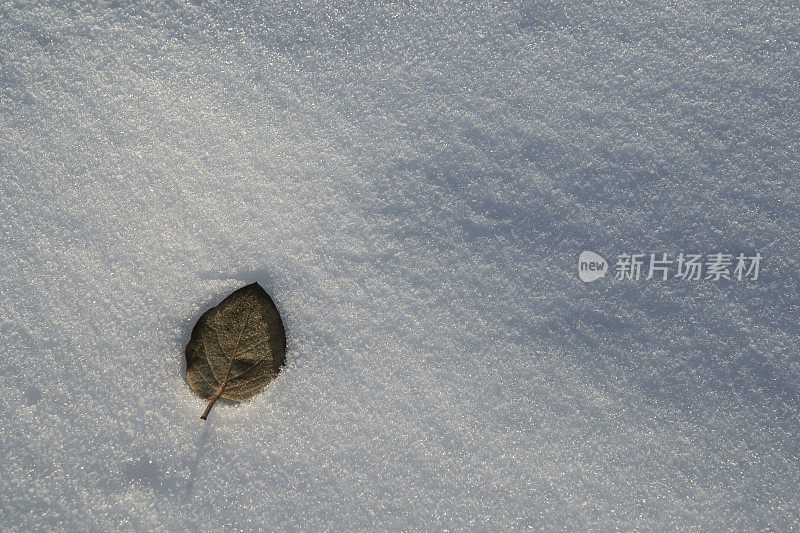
[412, 184]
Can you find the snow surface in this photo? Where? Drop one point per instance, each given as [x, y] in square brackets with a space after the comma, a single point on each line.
[412, 184]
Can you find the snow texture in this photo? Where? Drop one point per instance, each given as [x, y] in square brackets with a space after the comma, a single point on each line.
[412, 184]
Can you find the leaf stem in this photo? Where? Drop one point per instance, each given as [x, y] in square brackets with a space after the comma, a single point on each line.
[211, 404]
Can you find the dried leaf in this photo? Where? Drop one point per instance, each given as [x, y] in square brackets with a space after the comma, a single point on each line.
[236, 348]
